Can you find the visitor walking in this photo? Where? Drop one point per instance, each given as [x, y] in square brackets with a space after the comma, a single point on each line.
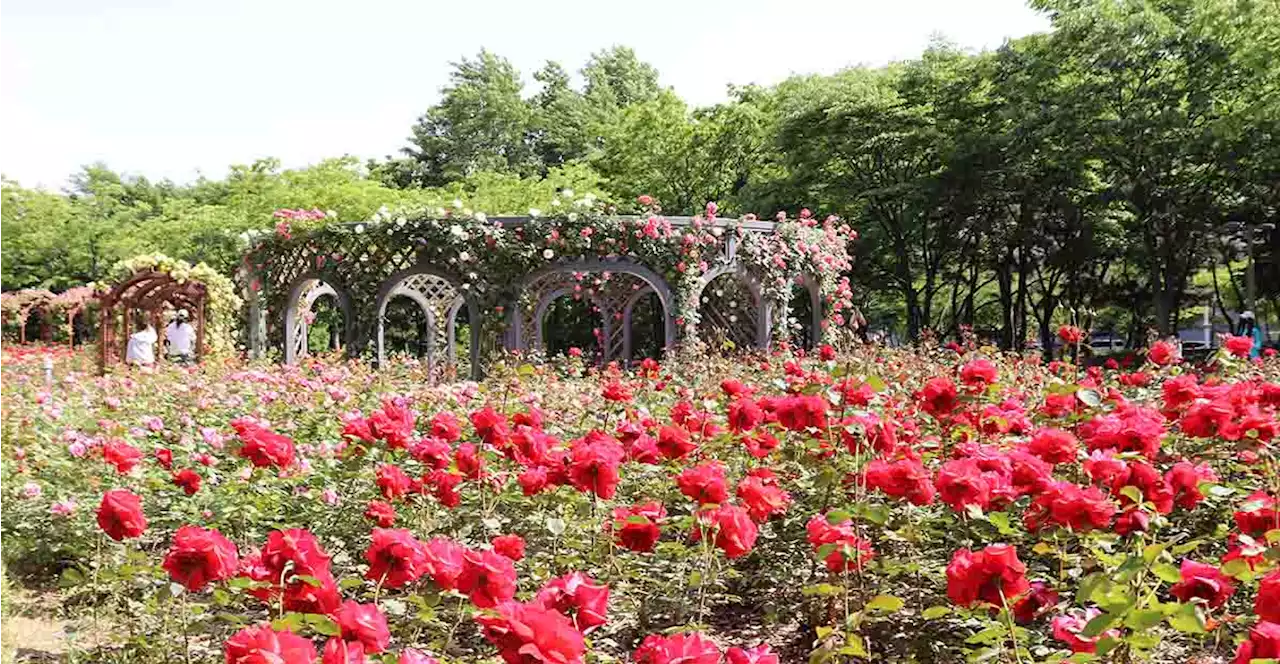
[179, 338]
[1248, 327]
[141, 350]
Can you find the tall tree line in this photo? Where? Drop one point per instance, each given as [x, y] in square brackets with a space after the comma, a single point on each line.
[1114, 172]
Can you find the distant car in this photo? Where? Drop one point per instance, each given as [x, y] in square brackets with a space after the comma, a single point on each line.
[1106, 342]
[1194, 346]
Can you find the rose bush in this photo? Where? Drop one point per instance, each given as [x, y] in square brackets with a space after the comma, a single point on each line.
[897, 505]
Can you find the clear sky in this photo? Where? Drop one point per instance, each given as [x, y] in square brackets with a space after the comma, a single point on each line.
[174, 89]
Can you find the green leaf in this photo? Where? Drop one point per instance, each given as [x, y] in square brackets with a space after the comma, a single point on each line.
[935, 612]
[1132, 493]
[877, 514]
[854, 647]
[988, 635]
[1043, 548]
[1167, 573]
[1144, 619]
[1188, 619]
[289, 621]
[1238, 568]
[885, 603]
[309, 580]
[1001, 521]
[837, 517]
[1099, 624]
[1152, 551]
[876, 383]
[71, 577]
[322, 624]
[821, 590]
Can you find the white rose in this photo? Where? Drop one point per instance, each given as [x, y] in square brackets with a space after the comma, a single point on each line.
[535, 212]
[464, 256]
[548, 254]
[481, 217]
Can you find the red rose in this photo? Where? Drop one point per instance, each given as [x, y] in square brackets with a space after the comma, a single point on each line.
[355, 427]
[1038, 600]
[1067, 628]
[826, 353]
[1202, 581]
[1053, 445]
[1148, 481]
[198, 556]
[802, 413]
[733, 388]
[680, 648]
[1180, 391]
[704, 483]
[1263, 643]
[962, 482]
[488, 578]
[445, 426]
[296, 549]
[164, 457]
[1237, 346]
[578, 596]
[1258, 515]
[744, 415]
[760, 444]
[533, 481]
[511, 546]
[938, 397]
[616, 391]
[261, 644]
[735, 532]
[395, 558]
[762, 495]
[978, 374]
[636, 528]
[444, 486]
[338, 651]
[1162, 353]
[1029, 474]
[188, 479]
[760, 654]
[674, 442]
[467, 459]
[120, 514]
[445, 560]
[1070, 334]
[121, 455]
[531, 634]
[392, 482]
[1127, 429]
[394, 424]
[380, 513]
[364, 623]
[904, 479]
[993, 575]
[593, 465]
[1184, 479]
[1068, 505]
[263, 447]
[1267, 603]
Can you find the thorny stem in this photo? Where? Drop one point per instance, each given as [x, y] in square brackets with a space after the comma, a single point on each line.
[1013, 636]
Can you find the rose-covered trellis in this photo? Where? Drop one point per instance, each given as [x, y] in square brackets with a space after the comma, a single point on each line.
[17, 307]
[151, 283]
[740, 275]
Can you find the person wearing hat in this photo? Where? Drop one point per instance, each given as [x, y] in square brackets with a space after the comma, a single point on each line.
[1249, 328]
[180, 337]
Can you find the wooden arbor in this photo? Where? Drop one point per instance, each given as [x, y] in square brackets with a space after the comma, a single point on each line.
[147, 291]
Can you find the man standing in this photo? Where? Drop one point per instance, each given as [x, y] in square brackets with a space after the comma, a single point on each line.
[180, 337]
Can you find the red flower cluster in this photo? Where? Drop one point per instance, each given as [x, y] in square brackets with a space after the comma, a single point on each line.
[992, 576]
[262, 446]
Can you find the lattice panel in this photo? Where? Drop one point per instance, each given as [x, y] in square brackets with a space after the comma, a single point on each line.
[729, 312]
[312, 291]
[437, 298]
[605, 290]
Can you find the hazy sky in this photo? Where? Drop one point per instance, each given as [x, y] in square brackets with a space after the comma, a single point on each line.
[175, 89]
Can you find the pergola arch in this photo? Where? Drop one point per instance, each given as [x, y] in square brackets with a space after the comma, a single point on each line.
[813, 289]
[544, 285]
[304, 293]
[440, 296]
[756, 329]
[147, 291]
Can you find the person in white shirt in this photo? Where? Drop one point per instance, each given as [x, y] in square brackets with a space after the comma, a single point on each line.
[180, 337]
[142, 344]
